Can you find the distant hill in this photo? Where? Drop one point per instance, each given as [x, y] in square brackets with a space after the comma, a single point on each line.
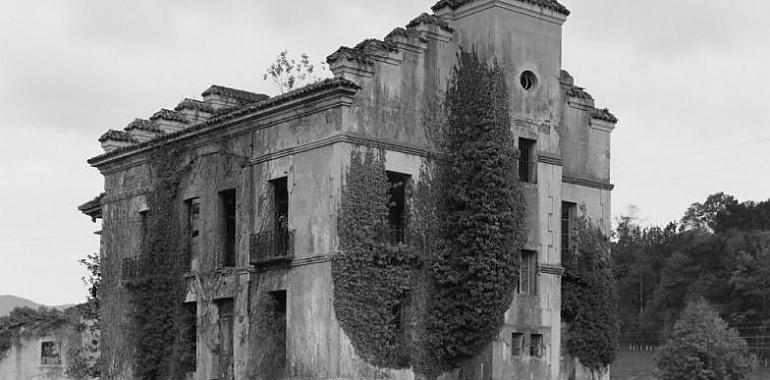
[8, 303]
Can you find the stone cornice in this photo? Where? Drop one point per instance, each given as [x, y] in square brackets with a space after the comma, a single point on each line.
[554, 269]
[549, 159]
[344, 138]
[587, 183]
[525, 7]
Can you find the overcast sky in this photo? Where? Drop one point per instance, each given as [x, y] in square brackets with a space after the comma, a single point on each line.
[687, 79]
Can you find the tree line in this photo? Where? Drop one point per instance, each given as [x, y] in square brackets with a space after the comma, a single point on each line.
[719, 251]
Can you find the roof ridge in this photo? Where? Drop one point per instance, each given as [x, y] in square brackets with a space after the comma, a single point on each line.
[553, 5]
[236, 93]
[167, 114]
[199, 105]
[117, 135]
[305, 90]
[144, 125]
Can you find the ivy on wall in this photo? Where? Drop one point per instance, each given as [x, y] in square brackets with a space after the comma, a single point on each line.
[159, 322]
[371, 275]
[461, 262]
[589, 299]
[481, 226]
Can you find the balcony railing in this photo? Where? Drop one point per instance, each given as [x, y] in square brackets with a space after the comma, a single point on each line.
[271, 246]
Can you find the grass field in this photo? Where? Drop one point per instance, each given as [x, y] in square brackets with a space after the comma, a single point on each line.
[640, 366]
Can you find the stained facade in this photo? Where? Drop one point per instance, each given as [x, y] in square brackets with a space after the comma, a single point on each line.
[259, 200]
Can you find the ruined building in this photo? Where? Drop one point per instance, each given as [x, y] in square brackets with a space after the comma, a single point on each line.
[260, 191]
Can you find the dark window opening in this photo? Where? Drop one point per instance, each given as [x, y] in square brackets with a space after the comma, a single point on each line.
[536, 347]
[527, 160]
[50, 353]
[278, 241]
[227, 201]
[528, 273]
[397, 206]
[281, 198]
[517, 344]
[279, 327]
[144, 226]
[190, 353]
[568, 213]
[226, 345]
[193, 207]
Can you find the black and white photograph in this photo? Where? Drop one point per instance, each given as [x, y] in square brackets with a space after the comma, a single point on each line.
[371, 190]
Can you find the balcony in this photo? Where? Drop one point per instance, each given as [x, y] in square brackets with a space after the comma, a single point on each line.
[272, 247]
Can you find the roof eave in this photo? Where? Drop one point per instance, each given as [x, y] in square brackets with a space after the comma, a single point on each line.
[335, 87]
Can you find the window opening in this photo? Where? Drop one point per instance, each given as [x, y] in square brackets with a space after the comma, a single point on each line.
[225, 311]
[279, 312]
[528, 80]
[50, 353]
[527, 160]
[227, 200]
[281, 236]
[397, 206]
[193, 206]
[517, 344]
[568, 213]
[528, 272]
[144, 226]
[536, 345]
[190, 315]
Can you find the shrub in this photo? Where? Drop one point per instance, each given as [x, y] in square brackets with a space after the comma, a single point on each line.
[702, 347]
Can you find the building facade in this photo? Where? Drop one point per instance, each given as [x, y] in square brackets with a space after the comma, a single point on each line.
[263, 179]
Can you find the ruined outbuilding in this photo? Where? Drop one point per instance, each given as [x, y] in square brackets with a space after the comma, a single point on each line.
[258, 202]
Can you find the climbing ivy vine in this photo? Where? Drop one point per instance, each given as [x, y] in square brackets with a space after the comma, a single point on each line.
[371, 275]
[467, 226]
[480, 218]
[589, 300]
[158, 291]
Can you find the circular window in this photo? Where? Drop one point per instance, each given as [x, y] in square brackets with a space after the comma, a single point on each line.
[528, 80]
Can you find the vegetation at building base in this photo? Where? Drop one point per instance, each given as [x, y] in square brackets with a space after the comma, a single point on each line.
[159, 322]
[27, 322]
[702, 347]
[589, 300]
[720, 251]
[461, 262]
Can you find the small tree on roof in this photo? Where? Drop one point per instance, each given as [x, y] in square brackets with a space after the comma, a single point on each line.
[703, 347]
[288, 73]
